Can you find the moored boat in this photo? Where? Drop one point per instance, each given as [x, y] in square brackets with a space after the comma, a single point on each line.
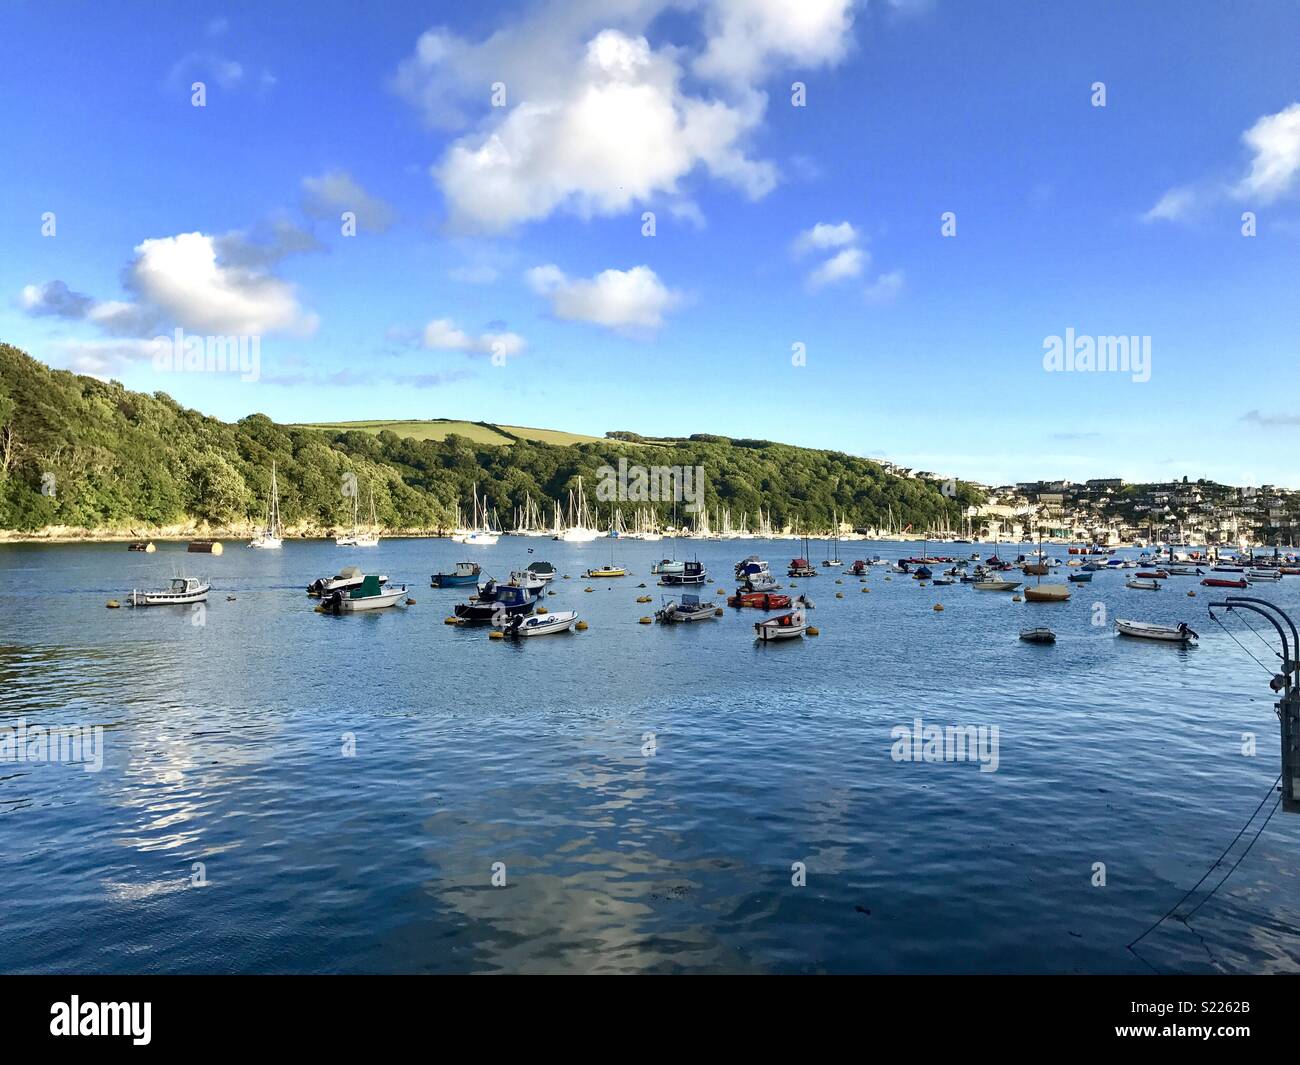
[692, 574]
[348, 577]
[687, 608]
[759, 600]
[372, 593]
[1145, 630]
[496, 602]
[1038, 635]
[519, 626]
[1224, 582]
[1081, 577]
[543, 571]
[465, 573]
[1142, 584]
[181, 591]
[995, 586]
[784, 627]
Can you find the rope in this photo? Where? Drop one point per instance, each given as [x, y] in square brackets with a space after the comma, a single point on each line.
[1261, 665]
[1192, 890]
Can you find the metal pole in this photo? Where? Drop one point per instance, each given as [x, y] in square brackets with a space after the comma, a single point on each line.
[1288, 707]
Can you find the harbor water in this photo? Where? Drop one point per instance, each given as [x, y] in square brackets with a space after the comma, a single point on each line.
[287, 791]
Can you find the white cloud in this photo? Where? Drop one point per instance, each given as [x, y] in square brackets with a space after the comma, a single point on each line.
[337, 191]
[1275, 140]
[886, 288]
[442, 334]
[825, 235]
[1175, 204]
[632, 299]
[596, 119]
[181, 277]
[748, 37]
[841, 266]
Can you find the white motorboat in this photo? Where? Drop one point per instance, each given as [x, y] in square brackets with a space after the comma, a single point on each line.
[1257, 575]
[1143, 584]
[785, 627]
[753, 575]
[527, 580]
[543, 571]
[688, 608]
[1145, 630]
[668, 565]
[181, 591]
[540, 624]
[372, 594]
[995, 586]
[347, 577]
[272, 535]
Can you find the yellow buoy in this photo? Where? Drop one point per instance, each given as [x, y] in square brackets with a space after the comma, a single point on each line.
[718, 613]
[319, 609]
[1191, 593]
[645, 621]
[814, 631]
[793, 584]
[565, 577]
[839, 595]
[888, 578]
[410, 602]
[496, 634]
[542, 610]
[865, 590]
[113, 604]
[445, 621]
[938, 608]
[1015, 599]
[722, 591]
[590, 589]
[581, 626]
[838, 581]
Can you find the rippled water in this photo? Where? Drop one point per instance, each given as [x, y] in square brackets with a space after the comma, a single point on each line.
[224, 746]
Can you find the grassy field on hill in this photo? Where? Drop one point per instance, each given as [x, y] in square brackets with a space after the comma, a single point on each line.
[441, 428]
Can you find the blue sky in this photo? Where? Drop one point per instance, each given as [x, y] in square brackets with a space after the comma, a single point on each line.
[499, 270]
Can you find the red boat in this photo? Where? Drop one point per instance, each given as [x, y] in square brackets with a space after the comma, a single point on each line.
[759, 600]
[1220, 582]
[1155, 575]
[859, 568]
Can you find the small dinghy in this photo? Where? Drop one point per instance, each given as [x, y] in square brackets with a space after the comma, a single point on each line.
[1143, 584]
[465, 573]
[1145, 630]
[688, 608]
[943, 581]
[996, 586]
[1082, 577]
[1257, 575]
[785, 627]
[543, 571]
[181, 591]
[1039, 635]
[520, 626]
[1152, 575]
[1223, 582]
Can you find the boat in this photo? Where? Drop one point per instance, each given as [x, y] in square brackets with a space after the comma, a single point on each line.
[668, 565]
[372, 593]
[692, 574]
[784, 627]
[529, 582]
[181, 591]
[346, 578]
[465, 573]
[759, 600]
[543, 571]
[1039, 592]
[1182, 571]
[496, 602]
[520, 626]
[1152, 575]
[688, 608]
[859, 568]
[922, 573]
[1080, 577]
[272, 535]
[801, 567]
[754, 575]
[1142, 584]
[940, 582]
[577, 531]
[994, 585]
[1145, 630]
[357, 538]
[481, 534]
[1038, 635]
[142, 545]
[1256, 575]
[1224, 582]
[833, 558]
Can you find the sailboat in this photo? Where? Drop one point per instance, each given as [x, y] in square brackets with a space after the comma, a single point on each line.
[358, 538]
[272, 534]
[481, 534]
[1040, 592]
[578, 531]
[834, 557]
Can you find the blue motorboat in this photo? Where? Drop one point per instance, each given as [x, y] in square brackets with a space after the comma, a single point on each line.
[465, 573]
[496, 602]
